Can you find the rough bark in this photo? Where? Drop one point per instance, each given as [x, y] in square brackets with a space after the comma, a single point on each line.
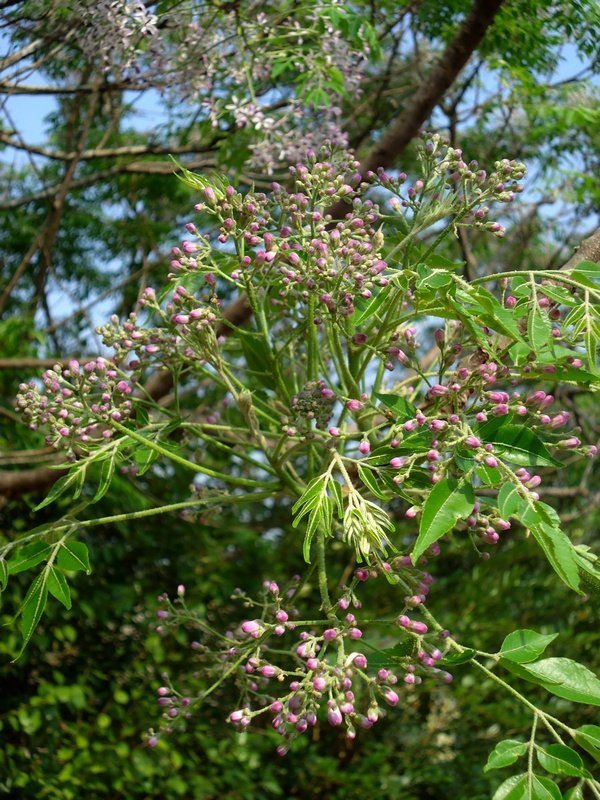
[588, 250]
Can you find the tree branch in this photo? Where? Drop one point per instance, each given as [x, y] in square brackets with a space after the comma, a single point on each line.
[440, 79]
[589, 250]
[102, 152]
[134, 167]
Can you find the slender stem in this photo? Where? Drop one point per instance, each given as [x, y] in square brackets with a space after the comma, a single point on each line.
[350, 383]
[530, 755]
[311, 334]
[322, 573]
[259, 313]
[177, 459]
[146, 512]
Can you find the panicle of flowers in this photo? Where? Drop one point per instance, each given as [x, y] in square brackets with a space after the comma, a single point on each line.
[289, 238]
[451, 185]
[293, 133]
[299, 674]
[115, 29]
[74, 400]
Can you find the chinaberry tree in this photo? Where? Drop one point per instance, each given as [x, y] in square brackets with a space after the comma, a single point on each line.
[374, 367]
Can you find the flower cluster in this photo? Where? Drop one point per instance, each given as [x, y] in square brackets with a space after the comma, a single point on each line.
[325, 675]
[200, 54]
[454, 186]
[116, 30]
[75, 400]
[289, 239]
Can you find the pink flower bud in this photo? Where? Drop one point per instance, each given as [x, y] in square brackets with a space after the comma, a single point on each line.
[390, 697]
[360, 661]
[418, 627]
[437, 390]
[251, 626]
[354, 405]
[334, 715]
[571, 442]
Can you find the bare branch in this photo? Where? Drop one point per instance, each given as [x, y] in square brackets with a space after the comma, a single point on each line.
[589, 250]
[104, 152]
[440, 79]
[19, 55]
[16, 88]
[134, 167]
[27, 480]
[44, 241]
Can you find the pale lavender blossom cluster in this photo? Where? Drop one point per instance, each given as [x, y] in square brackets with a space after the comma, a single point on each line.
[115, 29]
[292, 135]
[201, 55]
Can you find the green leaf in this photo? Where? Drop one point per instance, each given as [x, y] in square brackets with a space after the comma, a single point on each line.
[399, 405]
[58, 586]
[366, 309]
[525, 645]
[307, 498]
[490, 476]
[33, 607]
[74, 556]
[519, 445]
[509, 500]
[589, 571]
[29, 556]
[589, 269]
[575, 793]
[455, 659]
[558, 759]
[511, 789]
[566, 678]
[338, 498]
[560, 552]
[495, 315]
[505, 753]
[391, 655]
[539, 329]
[525, 787]
[369, 480]
[588, 737]
[144, 457]
[417, 443]
[544, 523]
[432, 279]
[74, 479]
[448, 501]
[3, 574]
[107, 470]
[544, 789]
